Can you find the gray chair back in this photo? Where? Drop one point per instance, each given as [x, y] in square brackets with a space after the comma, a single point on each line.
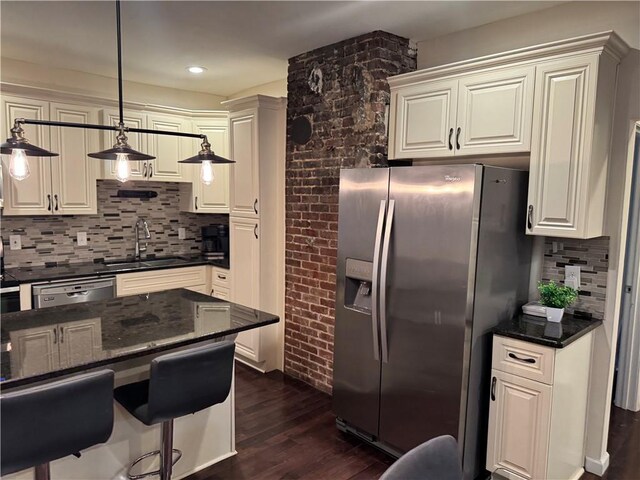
[43, 423]
[436, 459]
[186, 382]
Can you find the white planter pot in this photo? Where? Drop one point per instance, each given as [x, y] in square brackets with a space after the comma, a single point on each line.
[554, 314]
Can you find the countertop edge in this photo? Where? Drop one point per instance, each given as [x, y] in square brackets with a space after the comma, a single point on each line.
[546, 342]
[10, 384]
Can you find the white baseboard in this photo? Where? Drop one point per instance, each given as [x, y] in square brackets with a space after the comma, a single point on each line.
[597, 467]
[577, 474]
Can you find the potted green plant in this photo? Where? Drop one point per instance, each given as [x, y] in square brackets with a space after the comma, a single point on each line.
[556, 298]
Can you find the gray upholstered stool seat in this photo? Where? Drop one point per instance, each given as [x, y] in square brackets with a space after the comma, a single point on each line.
[436, 459]
[51, 421]
[179, 384]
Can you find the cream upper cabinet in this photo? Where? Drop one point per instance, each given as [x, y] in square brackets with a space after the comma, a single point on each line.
[423, 120]
[62, 185]
[137, 141]
[245, 172]
[167, 149]
[80, 341]
[196, 197]
[73, 173]
[31, 196]
[495, 112]
[570, 146]
[487, 113]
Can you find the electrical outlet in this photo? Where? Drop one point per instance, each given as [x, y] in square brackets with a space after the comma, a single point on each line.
[572, 276]
[554, 247]
[82, 239]
[15, 243]
[182, 233]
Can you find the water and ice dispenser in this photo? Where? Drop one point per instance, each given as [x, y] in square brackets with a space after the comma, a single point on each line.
[358, 278]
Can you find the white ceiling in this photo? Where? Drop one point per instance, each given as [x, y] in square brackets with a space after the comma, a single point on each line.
[243, 44]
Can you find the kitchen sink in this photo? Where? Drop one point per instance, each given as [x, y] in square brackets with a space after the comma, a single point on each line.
[160, 262]
[156, 262]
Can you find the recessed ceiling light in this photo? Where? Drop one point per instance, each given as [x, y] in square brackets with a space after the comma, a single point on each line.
[196, 69]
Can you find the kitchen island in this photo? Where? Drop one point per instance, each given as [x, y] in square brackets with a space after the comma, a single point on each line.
[125, 334]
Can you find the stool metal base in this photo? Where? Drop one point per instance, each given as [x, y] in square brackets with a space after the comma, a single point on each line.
[42, 472]
[166, 452]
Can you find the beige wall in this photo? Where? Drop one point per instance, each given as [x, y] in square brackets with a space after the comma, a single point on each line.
[556, 23]
[273, 89]
[31, 74]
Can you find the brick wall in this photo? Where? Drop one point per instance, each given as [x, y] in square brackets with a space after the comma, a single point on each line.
[342, 90]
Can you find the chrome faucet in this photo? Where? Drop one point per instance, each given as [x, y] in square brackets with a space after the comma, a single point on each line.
[147, 235]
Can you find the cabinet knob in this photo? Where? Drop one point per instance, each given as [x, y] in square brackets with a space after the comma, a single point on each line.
[530, 217]
[450, 135]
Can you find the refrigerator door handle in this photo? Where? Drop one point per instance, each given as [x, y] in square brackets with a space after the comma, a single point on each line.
[374, 280]
[383, 282]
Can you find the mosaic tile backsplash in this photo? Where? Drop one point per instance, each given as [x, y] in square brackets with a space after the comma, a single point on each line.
[110, 233]
[593, 258]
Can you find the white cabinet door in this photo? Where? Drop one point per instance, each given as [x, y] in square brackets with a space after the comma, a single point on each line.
[519, 422]
[563, 111]
[423, 120]
[167, 149]
[80, 342]
[212, 198]
[31, 196]
[245, 258]
[73, 173]
[244, 174]
[137, 141]
[495, 111]
[34, 350]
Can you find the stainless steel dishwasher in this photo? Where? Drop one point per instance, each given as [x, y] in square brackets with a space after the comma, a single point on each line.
[80, 290]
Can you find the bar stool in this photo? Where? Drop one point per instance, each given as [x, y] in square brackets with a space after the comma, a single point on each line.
[51, 421]
[179, 384]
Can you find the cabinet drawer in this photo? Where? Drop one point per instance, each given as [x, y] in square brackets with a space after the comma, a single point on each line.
[524, 359]
[220, 292]
[159, 280]
[221, 277]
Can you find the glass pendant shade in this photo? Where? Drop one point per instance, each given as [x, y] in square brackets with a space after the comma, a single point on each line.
[206, 172]
[19, 165]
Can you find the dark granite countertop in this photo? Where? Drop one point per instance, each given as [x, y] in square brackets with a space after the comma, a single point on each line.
[74, 338]
[98, 268]
[537, 330]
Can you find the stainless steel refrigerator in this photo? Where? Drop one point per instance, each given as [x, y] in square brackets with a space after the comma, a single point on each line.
[430, 258]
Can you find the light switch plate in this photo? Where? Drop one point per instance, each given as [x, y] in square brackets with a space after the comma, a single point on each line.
[82, 239]
[572, 276]
[15, 243]
[182, 233]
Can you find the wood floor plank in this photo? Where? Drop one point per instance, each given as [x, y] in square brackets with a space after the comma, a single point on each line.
[285, 430]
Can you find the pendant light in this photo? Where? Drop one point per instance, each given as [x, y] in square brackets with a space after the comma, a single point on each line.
[19, 148]
[206, 158]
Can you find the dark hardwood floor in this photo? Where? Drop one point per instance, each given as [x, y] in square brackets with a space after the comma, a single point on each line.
[285, 429]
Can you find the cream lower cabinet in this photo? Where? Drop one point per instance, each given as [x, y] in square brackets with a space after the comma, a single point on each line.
[196, 197]
[474, 114]
[538, 408]
[62, 185]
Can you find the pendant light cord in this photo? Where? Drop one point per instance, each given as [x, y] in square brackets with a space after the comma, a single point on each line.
[119, 35]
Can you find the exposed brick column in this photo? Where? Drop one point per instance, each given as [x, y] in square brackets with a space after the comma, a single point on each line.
[342, 90]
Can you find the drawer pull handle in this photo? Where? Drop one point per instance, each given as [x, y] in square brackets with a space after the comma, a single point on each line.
[56, 199]
[525, 360]
[530, 217]
[144, 169]
[458, 138]
[450, 135]
[493, 389]
[49, 201]
[255, 206]
[222, 277]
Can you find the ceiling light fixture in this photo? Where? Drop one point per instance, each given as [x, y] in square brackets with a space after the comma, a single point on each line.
[19, 147]
[196, 70]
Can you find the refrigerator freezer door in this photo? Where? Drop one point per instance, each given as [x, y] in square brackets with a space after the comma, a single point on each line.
[356, 365]
[431, 259]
